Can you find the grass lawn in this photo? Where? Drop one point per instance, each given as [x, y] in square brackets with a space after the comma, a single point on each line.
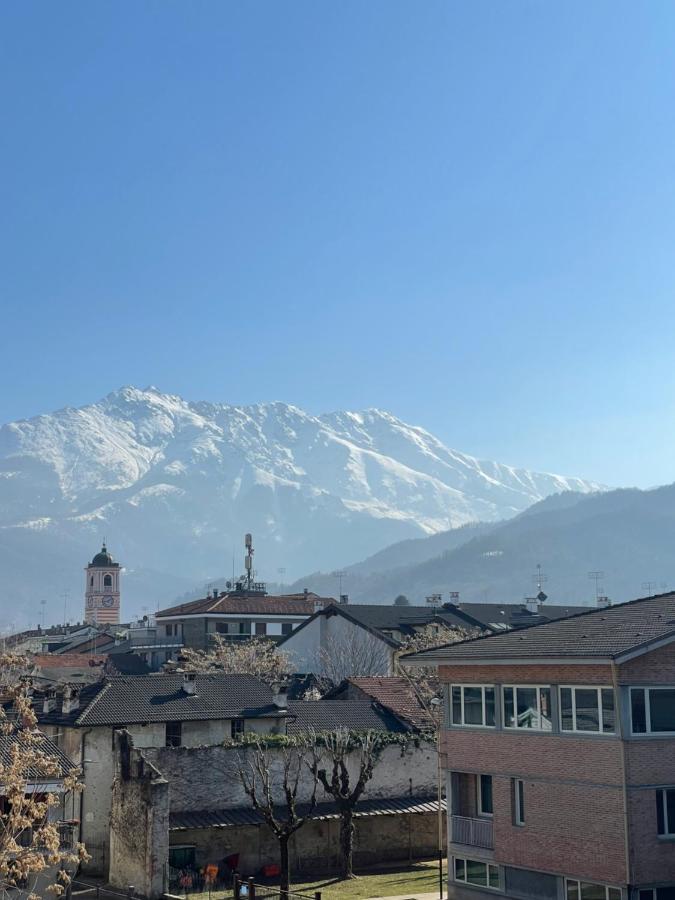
[420, 879]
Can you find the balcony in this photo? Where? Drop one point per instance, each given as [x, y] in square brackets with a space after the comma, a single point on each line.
[152, 641]
[472, 832]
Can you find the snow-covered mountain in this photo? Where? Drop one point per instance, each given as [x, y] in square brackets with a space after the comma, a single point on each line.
[174, 485]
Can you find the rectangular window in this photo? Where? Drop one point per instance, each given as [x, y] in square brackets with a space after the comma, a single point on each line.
[473, 704]
[237, 728]
[287, 628]
[174, 734]
[244, 628]
[587, 710]
[586, 890]
[652, 710]
[223, 627]
[518, 801]
[473, 871]
[528, 707]
[484, 795]
[261, 628]
[665, 812]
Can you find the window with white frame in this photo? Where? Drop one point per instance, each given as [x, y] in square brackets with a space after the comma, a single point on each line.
[528, 706]
[518, 786]
[474, 871]
[587, 709]
[665, 812]
[484, 783]
[652, 710]
[586, 890]
[473, 704]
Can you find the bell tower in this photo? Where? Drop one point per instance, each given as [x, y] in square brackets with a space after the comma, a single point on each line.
[102, 590]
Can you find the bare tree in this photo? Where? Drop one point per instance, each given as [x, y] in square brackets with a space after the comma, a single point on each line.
[269, 773]
[355, 655]
[30, 840]
[258, 657]
[425, 681]
[340, 747]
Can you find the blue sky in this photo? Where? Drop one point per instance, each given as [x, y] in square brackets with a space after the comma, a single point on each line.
[460, 212]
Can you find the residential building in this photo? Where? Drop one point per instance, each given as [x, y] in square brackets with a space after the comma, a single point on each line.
[345, 639]
[505, 616]
[190, 809]
[238, 614]
[156, 711]
[559, 753]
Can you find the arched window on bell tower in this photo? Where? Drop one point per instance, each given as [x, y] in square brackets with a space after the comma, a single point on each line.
[107, 581]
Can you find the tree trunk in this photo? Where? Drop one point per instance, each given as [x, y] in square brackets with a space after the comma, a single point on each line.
[347, 843]
[284, 866]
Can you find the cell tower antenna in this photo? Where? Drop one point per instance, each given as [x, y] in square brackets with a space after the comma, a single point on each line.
[597, 578]
[248, 560]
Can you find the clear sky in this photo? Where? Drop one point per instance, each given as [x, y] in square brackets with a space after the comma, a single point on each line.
[462, 212]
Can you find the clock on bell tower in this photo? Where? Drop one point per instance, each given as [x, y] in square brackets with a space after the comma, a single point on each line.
[102, 590]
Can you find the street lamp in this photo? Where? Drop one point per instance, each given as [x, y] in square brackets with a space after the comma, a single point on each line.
[436, 702]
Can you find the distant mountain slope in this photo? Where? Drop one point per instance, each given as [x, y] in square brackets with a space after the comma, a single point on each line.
[628, 534]
[174, 484]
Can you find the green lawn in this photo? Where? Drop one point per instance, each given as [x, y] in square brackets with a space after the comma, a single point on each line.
[422, 878]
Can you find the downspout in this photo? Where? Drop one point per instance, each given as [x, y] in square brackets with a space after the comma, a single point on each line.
[619, 719]
[83, 761]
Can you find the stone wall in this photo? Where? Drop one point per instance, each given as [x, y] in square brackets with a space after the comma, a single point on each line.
[139, 824]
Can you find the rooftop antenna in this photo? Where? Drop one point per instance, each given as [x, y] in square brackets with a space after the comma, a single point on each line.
[650, 587]
[281, 571]
[248, 560]
[597, 578]
[42, 612]
[339, 574]
[540, 579]
[65, 596]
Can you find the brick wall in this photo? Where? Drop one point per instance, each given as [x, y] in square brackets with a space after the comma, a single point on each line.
[657, 667]
[539, 674]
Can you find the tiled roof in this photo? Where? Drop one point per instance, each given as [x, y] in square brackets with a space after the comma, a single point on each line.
[50, 750]
[161, 698]
[517, 615]
[246, 815]
[406, 618]
[606, 633]
[286, 605]
[56, 717]
[327, 714]
[395, 693]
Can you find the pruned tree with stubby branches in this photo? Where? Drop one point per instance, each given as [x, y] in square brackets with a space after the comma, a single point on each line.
[31, 850]
[338, 749]
[270, 774]
[257, 656]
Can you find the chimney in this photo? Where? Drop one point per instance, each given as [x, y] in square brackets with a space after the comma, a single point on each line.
[532, 604]
[190, 684]
[344, 599]
[49, 701]
[306, 592]
[603, 601]
[279, 694]
[215, 593]
[71, 699]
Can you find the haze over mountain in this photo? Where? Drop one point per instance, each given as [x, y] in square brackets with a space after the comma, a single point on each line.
[627, 534]
[173, 485]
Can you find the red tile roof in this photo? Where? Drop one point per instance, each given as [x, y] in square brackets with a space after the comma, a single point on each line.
[286, 605]
[395, 693]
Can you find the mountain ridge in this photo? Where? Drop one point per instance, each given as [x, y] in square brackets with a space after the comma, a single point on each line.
[174, 484]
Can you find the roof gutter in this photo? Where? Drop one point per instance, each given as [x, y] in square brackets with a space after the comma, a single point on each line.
[430, 662]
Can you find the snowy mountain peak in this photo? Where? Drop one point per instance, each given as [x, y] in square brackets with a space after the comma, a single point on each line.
[174, 484]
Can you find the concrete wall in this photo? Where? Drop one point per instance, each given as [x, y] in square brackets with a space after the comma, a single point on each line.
[207, 778]
[314, 848]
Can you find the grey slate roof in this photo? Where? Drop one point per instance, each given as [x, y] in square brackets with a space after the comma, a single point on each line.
[326, 715]
[48, 747]
[245, 815]
[160, 698]
[405, 618]
[517, 615]
[599, 634]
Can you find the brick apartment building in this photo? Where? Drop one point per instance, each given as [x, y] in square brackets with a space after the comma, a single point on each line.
[559, 751]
